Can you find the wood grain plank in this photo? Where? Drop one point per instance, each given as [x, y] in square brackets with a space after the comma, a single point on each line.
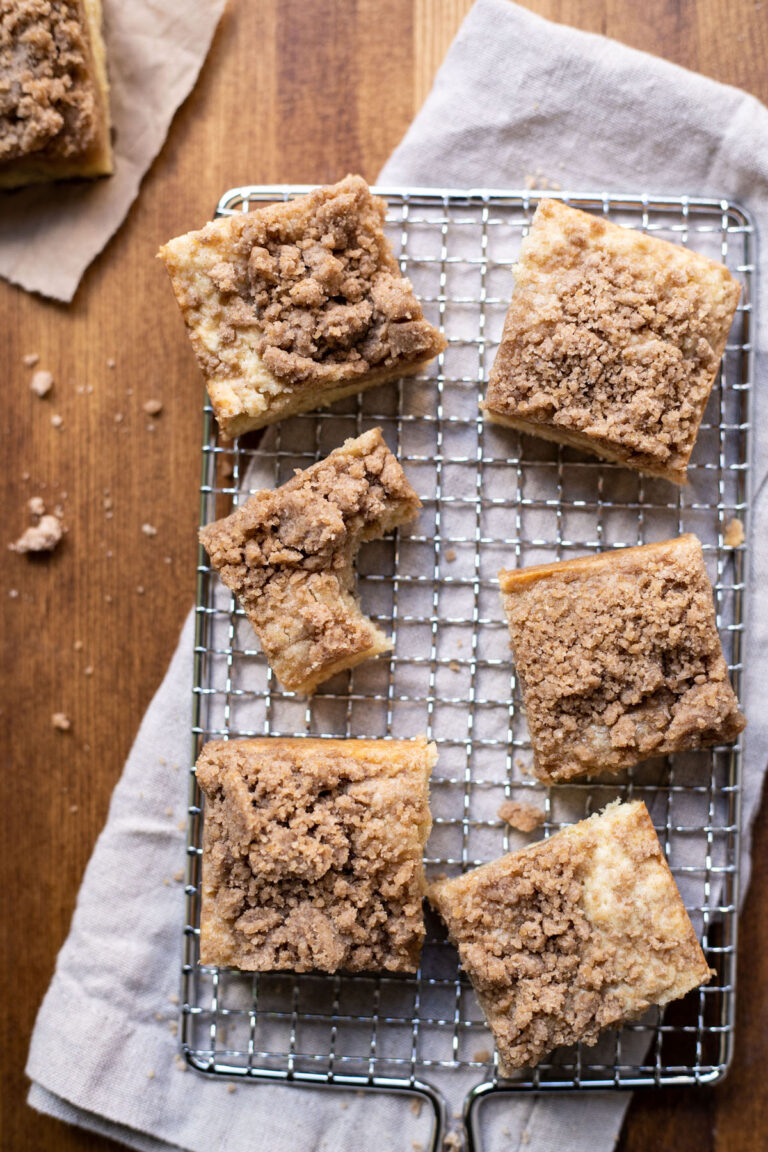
[291, 91]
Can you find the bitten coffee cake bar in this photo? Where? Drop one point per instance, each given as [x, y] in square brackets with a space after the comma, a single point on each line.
[295, 305]
[54, 95]
[288, 556]
[612, 341]
[573, 934]
[312, 853]
[619, 658]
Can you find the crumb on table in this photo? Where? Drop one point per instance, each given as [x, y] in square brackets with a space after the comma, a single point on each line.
[41, 537]
[61, 722]
[41, 383]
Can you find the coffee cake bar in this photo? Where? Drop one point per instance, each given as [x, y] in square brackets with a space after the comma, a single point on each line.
[54, 95]
[612, 341]
[288, 556]
[619, 658]
[312, 853]
[573, 934]
[292, 306]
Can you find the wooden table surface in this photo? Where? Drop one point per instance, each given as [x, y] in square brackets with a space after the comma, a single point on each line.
[293, 91]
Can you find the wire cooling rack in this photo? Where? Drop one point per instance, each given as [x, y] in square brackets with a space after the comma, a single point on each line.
[491, 498]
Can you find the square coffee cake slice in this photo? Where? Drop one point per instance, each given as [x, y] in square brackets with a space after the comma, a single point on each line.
[292, 306]
[573, 934]
[312, 853]
[54, 95]
[619, 658]
[612, 341]
[288, 556]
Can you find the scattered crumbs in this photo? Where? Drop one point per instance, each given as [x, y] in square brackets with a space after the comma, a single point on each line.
[141, 795]
[169, 811]
[56, 420]
[166, 882]
[734, 536]
[454, 666]
[25, 476]
[182, 825]
[149, 529]
[180, 1062]
[416, 1106]
[13, 593]
[40, 537]
[111, 363]
[162, 760]
[150, 427]
[482, 1056]
[80, 389]
[459, 643]
[452, 1142]
[78, 645]
[417, 1146]
[231, 1088]
[119, 417]
[107, 503]
[168, 559]
[61, 721]
[58, 511]
[159, 1016]
[150, 1075]
[109, 553]
[41, 383]
[173, 998]
[140, 590]
[525, 1136]
[108, 598]
[153, 407]
[88, 389]
[506, 1132]
[129, 391]
[175, 767]
[31, 359]
[521, 815]
[88, 670]
[344, 1105]
[535, 105]
[179, 876]
[450, 555]
[73, 808]
[36, 506]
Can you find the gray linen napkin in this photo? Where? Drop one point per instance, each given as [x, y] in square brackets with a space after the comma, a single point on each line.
[515, 95]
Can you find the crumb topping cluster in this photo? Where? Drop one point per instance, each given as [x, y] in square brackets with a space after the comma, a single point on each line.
[47, 98]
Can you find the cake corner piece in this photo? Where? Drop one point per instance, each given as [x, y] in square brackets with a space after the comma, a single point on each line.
[293, 306]
[312, 853]
[573, 934]
[619, 658]
[612, 341]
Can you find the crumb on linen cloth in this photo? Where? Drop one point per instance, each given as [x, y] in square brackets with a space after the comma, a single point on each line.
[521, 815]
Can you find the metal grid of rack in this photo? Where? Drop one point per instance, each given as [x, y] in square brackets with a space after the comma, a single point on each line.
[491, 498]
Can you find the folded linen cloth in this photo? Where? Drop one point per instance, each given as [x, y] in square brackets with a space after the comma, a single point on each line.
[50, 233]
[516, 94]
